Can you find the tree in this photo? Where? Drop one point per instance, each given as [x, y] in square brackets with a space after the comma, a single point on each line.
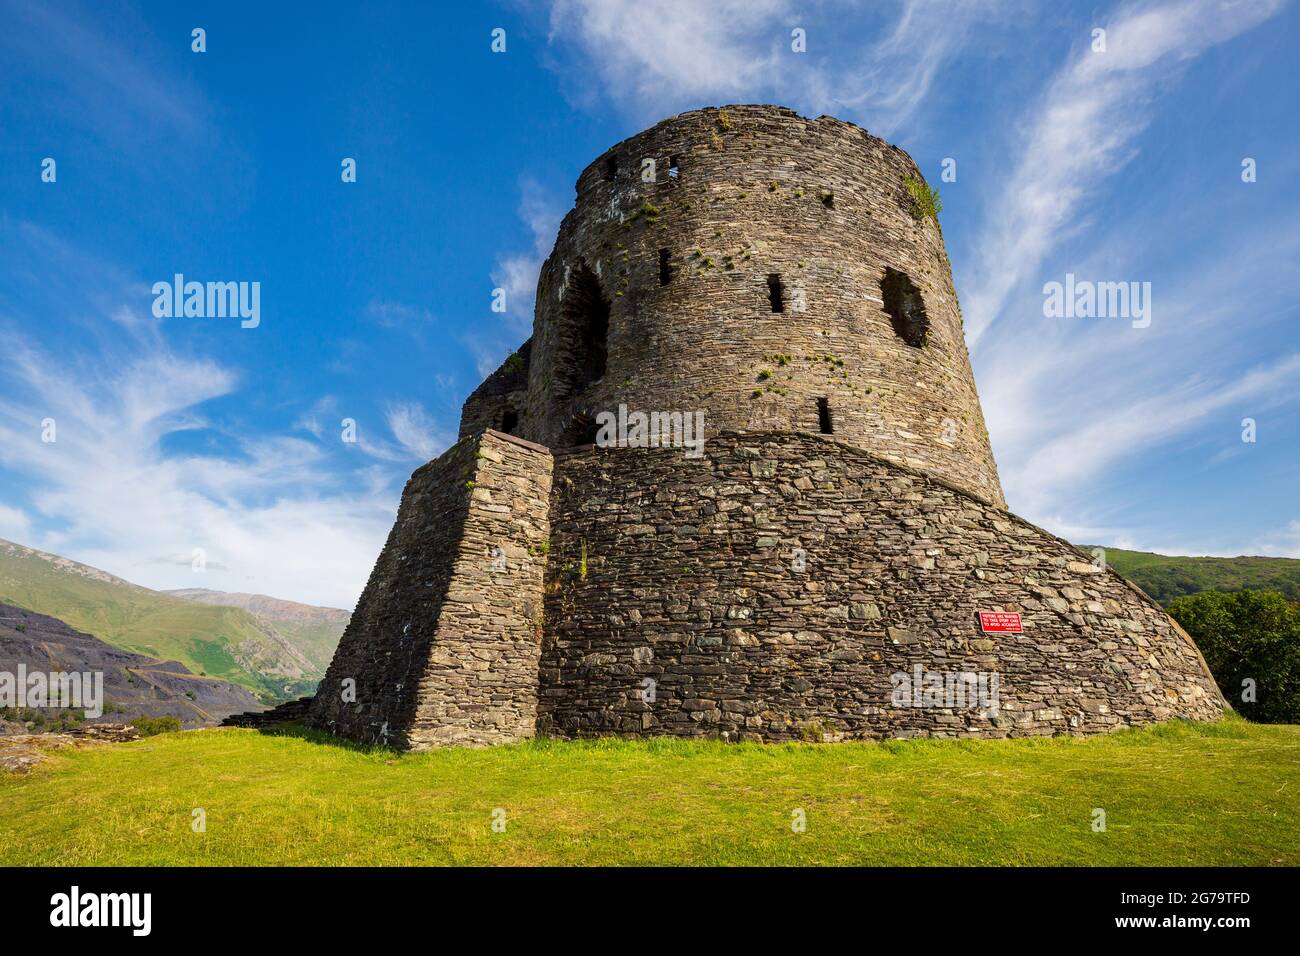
[1251, 640]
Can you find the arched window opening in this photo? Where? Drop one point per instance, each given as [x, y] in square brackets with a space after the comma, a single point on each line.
[905, 307]
[583, 330]
[509, 421]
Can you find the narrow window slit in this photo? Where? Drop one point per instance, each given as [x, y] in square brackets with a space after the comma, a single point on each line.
[824, 416]
[776, 292]
[665, 267]
[674, 167]
[611, 168]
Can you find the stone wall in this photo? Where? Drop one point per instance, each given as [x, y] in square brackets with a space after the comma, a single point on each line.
[683, 572]
[443, 646]
[758, 191]
[500, 401]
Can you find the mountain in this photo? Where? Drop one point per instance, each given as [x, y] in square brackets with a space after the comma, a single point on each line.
[1166, 577]
[134, 685]
[217, 641]
[313, 630]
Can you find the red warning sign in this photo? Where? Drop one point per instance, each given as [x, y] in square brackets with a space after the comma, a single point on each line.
[1000, 622]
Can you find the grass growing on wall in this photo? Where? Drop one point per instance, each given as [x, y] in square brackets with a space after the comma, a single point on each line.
[926, 203]
[1223, 793]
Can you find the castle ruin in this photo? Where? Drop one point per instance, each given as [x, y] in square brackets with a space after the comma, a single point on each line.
[828, 545]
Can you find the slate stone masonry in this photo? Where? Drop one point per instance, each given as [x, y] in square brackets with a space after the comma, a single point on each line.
[843, 526]
[689, 580]
[444, 643]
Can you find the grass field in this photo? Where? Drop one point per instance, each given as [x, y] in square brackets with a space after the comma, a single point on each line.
[1224, 793]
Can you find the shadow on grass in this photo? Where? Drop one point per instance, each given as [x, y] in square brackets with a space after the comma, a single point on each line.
[1230, 726]
[296, 730]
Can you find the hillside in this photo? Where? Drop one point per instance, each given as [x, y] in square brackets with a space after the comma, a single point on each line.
[134, 685]
[1166, 577]
[225, 642]
[315, 631]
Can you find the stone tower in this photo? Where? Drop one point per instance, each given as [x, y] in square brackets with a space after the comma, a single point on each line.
[762, 242]
[825, 551]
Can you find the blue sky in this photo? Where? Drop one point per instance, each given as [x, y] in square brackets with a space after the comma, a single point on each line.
[178, 434]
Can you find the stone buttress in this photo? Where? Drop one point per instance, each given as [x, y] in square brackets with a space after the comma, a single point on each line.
[443, 647]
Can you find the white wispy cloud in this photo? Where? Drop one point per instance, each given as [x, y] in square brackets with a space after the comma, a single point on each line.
[891, 83]
[655, 58]
[417, 431]
[1076, 454]
[14, 523]
[1084, 130]
[516, 272]
[398, 315]
[1069, 401]
[1283, 542]
[669, 51]
[321, 415]
[269, 512]
[141, 473]
[120, 89]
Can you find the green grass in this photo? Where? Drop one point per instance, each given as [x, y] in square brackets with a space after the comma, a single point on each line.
[1224, 793]
[925, 199]
[1166, 577]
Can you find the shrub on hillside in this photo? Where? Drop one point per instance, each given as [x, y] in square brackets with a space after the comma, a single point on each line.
[1249, 639]
[149, 726]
